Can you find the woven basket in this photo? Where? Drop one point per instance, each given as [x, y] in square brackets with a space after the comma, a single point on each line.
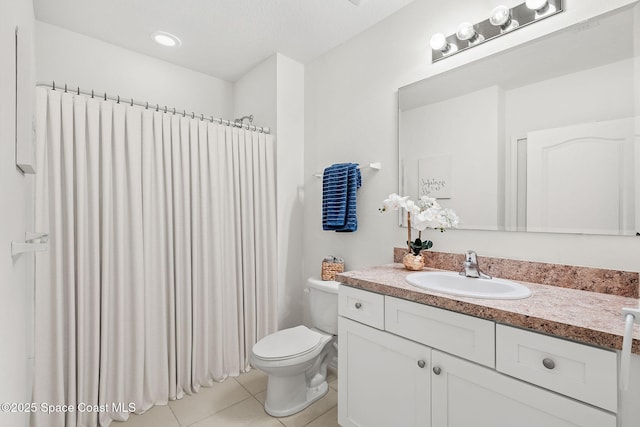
[330, 269]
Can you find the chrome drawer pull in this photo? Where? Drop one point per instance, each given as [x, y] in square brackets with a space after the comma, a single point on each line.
[437, 370]
[548, 363]
[358, 305]
[421, 364]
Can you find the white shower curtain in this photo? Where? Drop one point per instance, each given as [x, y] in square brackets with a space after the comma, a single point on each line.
[161, 269]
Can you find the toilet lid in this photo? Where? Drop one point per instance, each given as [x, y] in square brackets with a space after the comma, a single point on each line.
[288, 343]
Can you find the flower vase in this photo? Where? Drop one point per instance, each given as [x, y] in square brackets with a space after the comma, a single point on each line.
[413, 262]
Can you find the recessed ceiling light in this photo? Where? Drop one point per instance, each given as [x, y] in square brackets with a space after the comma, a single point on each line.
[165, 39]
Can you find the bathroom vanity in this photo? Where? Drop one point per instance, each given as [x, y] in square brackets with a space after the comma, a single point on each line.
[416, 358]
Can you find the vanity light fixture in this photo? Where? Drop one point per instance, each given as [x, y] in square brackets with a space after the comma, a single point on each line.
[502, 20]
[439, 42]
[501, 17]
[165, 39]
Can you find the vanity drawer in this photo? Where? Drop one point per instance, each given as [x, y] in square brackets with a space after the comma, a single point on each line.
[576, 370]
[465, 336]
[362, 306]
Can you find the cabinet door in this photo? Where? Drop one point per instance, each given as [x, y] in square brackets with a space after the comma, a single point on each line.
[465, 394]
[384, 379]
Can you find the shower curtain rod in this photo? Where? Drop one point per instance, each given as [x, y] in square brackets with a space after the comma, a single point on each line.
[146, 105]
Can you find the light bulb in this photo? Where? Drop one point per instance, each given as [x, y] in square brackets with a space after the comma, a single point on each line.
[439, 42]
[466, 32]
[501, 17]
[537, 4]
[542, 7]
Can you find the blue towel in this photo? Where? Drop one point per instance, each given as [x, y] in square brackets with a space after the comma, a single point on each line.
[339, 185]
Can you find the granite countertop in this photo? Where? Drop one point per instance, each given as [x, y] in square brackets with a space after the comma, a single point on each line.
[589, 317]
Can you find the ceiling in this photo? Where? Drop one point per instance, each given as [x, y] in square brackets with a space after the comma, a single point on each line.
[222, 38]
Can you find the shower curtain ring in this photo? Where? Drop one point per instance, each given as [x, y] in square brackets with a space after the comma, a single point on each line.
[184, 113]
[54, 85]
[78, 90]
[165, 108]
[146, 107]
[201, 117]
[91, 93]
[157, 107]
[211, 119]
[105, 96]
[193, 115]
[118, 99]
[132, 102]
[65, 88]
[174, 111]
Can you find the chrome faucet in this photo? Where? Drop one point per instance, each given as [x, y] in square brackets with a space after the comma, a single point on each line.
[470, 266]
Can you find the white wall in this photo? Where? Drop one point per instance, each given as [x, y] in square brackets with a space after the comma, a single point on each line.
[256, 93]
[16, 194]
[563, 101]
[351, 115]
[68, 57]
[273, 92]
[290, 172]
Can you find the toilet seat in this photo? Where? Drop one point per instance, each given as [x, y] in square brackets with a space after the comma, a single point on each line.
[289, 343]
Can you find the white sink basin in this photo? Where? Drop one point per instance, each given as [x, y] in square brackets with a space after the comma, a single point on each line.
[454, 284]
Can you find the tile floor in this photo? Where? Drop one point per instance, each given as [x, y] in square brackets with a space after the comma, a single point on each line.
[237, 402]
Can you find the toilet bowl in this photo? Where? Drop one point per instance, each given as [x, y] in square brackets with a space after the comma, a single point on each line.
[296, 359]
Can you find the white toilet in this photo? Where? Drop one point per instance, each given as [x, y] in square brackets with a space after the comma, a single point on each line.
[296, 359]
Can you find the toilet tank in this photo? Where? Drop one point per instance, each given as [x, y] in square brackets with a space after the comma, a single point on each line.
[323, 303]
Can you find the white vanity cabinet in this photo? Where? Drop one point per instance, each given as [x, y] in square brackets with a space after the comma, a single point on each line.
[407, 364]
[387, 379]
[384, 380]
[466, 394]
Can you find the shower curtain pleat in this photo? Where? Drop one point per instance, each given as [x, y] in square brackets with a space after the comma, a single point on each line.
[231, 295]
[197, 313]
[218, 300]
[169, 255]
[156, 271]
[160, 273]
[182, 235]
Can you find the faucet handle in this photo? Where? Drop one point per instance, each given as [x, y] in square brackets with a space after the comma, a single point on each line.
[471, 256]
[470, 267]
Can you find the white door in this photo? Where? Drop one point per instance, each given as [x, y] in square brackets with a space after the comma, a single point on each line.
[384, 379]
[465, 394]
[580, 178]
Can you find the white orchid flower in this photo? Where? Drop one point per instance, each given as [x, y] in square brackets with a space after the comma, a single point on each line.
[449, 218]
[394, 202]
[427, 202]
[412, 208]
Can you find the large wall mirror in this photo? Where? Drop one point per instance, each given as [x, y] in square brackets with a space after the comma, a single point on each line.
[542, 137]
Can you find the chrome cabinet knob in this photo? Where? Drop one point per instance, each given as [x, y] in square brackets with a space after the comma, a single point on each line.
[421, 363]
[358, 305]
[548, 363]
[437, 370]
